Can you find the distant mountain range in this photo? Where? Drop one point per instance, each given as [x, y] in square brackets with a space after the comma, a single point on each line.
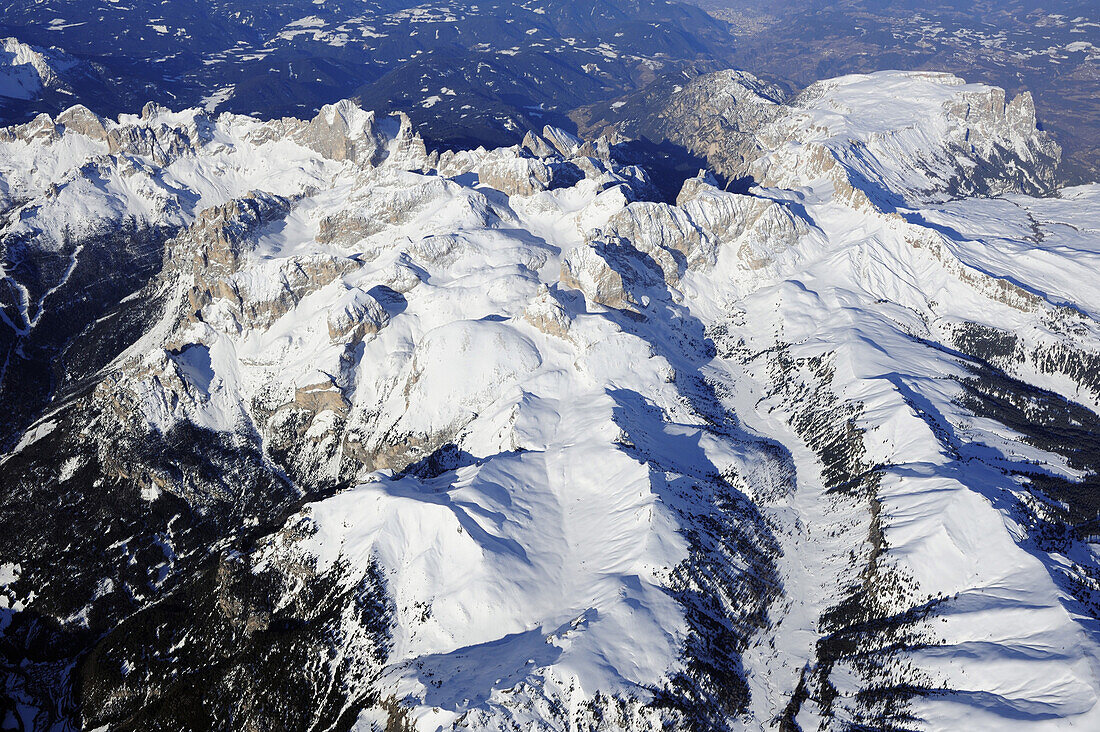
[465, 72]
[471, 73]
[1048, 47]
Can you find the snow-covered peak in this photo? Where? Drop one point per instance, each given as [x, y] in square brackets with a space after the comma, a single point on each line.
[908, 136]
[26, 70]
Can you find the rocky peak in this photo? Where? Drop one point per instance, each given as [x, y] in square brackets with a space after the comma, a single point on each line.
[537, 145]
[220, 234]
[25, 69]
[883, 139]
[898, 138]
[162, 137]
[567, 144]
[356, 315]
[41, 129]
[345, 131]
[711, 115]
[513, 172]
[84, 121]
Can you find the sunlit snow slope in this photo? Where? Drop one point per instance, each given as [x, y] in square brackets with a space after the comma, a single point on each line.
[498, 440]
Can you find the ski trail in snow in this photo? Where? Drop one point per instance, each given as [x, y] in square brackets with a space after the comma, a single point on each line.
[40, 309]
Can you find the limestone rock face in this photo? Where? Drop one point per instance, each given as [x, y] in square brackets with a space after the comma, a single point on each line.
[283, 288]
[715, 116]
[407, 150]
[355, 316]
[538, 145]
[321, 396]
[585, 269]
[158, 140]
[83, 121]
[516, 175]
[378, 205]
[30, 68]
[41, 130]
[220, 235]
[760, 227]
[29, 72]
[219, 242]
[942, 137]
[345, 132]
[666, 233]
[613, 273]
[940, 134]
[547, 314]
[565, 143]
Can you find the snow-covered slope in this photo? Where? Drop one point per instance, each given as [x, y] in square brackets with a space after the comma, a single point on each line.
[25, 70]
[496, 440]
[35, 78]
[908, 136]
[895, 137]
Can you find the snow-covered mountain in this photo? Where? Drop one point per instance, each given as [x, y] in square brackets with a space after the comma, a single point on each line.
[312, 428]
[1050, 47]
[467, 72]
[32, 77]
[26, 70]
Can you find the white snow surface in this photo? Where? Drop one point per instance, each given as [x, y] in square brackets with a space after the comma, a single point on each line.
[538, 572]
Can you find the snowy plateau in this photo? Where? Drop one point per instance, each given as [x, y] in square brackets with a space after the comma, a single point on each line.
[365, 436]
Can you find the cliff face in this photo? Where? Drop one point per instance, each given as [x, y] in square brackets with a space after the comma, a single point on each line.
[899, 136]
[333, 432]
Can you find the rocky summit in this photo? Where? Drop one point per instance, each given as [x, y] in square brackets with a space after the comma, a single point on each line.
[311, 425]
